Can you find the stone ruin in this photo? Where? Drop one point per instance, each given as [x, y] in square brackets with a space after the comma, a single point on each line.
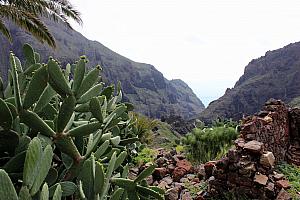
[267, 138]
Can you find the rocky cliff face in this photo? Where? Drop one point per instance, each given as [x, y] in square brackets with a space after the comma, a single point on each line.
[275, 75]
[143, 85]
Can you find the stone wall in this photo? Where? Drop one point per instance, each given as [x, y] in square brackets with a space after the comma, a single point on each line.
[271, 127]
[266, 138]
[293, 154]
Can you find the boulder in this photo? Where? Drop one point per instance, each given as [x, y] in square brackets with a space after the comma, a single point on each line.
[185, 164]
[168, 180]
[267, 159]
[254, 146]
[283, 184]
[172, 194]
[186, 196]
[261, 179]
[163, 185]
[161, 161]
[160, 172]
[283, 195]
[278, 176]
[178, 173]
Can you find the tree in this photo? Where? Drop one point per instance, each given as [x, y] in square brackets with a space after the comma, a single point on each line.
[28, 14]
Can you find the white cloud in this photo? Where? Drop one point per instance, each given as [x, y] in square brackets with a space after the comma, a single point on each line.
[206, 43]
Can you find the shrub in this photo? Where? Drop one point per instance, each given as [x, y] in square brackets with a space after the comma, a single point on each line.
[63, 136]
[207, 144]
[146, 155]
[143, 127]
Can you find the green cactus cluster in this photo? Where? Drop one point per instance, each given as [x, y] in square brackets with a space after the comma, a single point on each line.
[64, 135]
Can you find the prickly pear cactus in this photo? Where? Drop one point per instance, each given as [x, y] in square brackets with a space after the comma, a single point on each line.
[64, 134]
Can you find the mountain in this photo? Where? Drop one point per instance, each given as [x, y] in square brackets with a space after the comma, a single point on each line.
[143, 85]
[275, 75]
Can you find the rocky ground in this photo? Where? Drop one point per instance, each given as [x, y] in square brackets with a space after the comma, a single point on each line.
[176, 175]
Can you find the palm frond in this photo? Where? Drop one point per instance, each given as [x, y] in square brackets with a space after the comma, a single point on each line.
[5, 31]
[27, 14]
[29, 22]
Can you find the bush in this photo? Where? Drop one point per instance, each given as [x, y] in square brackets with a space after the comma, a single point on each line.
[146, 155]
[207, 144]
[143, 127]
[62, 133]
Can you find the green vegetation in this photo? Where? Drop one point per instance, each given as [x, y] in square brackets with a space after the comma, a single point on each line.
[205, 144]
[27, 15]
[143, 127]
[62, 133]
[195, 189]
[146, 155]
[164, 137]
[292, 173]
[179, 149]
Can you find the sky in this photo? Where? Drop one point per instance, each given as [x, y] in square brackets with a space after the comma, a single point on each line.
[206, 43]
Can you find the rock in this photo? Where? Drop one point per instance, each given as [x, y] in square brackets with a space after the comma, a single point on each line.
[178, 173]
[184, 180]
[179, 185]
[283, 195]
[200, 170]
[149, 180]
[161, 161]
[278, 176]
[171, 168]
[163, 185]
[132, 176]
[199, 197]
[222, 164]
[190, 176]
[208, 167]
[172, 194]
[160, 172]
[196, 180]
[186, 196]
[168, 180]
[248, 170]
[261, 179]
[185, 164]
[211, 179]
[270, 187]
[268, 119]
[283, 184]
[267, 159]
[270, 190]
[135, 170]
[179, 157]
[232, 156]
[239, 143]
[254, 146]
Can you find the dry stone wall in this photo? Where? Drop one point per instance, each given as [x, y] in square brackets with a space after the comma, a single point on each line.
[269, 137]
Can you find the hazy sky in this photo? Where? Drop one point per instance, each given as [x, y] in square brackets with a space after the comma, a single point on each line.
[206, 43]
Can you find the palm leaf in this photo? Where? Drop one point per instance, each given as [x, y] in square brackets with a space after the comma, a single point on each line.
[5, 31]
[29, 22]
[27, 13]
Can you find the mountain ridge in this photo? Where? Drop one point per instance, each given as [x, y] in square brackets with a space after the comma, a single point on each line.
[143, 85]
[274, 75]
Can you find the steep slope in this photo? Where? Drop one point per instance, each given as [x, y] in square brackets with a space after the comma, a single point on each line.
[275, 75]
[143, 85]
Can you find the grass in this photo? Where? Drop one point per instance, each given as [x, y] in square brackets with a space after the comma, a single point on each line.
[146, 155]
[195, 189]
[164, 137]
[292, 173]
